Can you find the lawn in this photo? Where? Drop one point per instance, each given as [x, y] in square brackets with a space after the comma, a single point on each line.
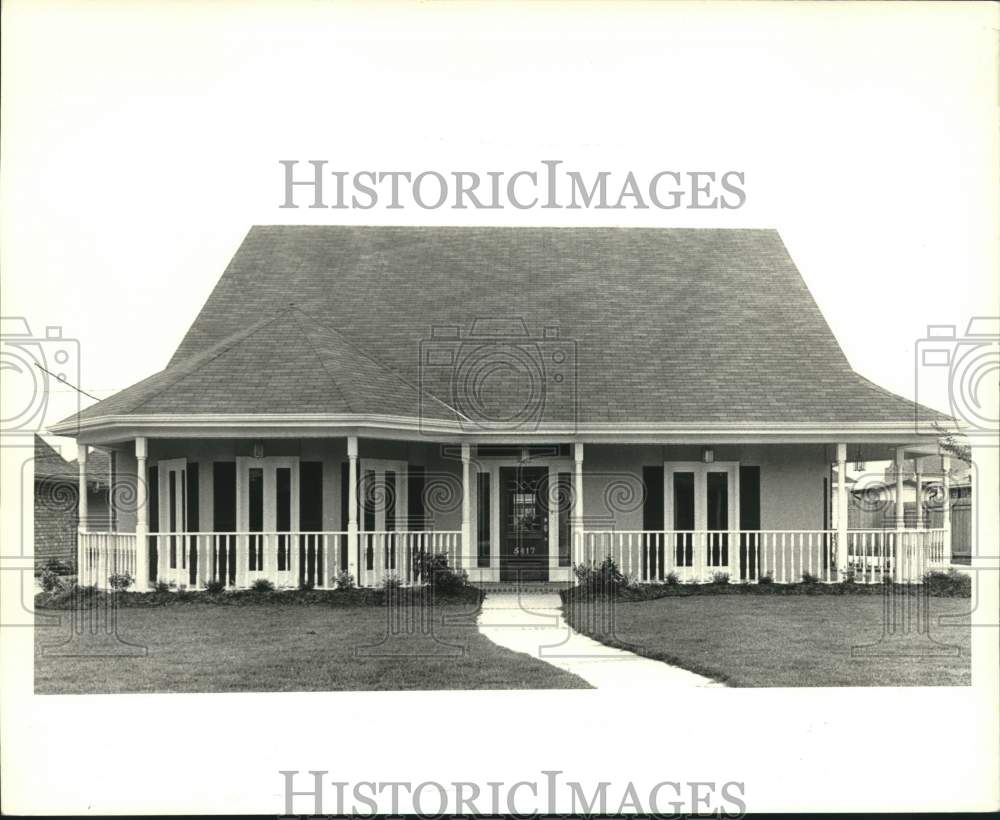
[800, 640]
[275, 648]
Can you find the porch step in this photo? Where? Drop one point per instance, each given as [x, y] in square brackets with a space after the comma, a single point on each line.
[532, 587]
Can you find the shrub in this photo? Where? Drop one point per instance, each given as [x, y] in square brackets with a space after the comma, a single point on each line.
[848, 576]
[720, 578]
[306, 585]
[672, 579]
[766, 579]
[810, 579]
[120, 581]
[604, 578]
[344, 580]
[391, 581]
[216, 585]
[50, 581]
[433, 569]
[260, 585]
[162, 586]
[950, 584]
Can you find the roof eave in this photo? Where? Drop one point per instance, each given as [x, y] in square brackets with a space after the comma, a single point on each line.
[111, 428]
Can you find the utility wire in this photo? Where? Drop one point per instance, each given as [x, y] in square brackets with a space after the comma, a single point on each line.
[68, 384]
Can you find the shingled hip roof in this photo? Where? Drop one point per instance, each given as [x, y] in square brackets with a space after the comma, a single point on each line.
[608, 325]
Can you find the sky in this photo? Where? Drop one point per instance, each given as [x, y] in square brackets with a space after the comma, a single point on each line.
[140, 142]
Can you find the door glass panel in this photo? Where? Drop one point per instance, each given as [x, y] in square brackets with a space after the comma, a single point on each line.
[368, 494]
[389, 494]
[717, 518]
[684, 519]
[255, 516]
[172, 512]
[283, 514]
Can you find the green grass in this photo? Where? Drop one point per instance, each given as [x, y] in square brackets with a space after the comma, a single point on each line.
[281, 647]
[779, 640]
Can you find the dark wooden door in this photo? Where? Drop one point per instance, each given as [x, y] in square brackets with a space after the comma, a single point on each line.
[524, 524]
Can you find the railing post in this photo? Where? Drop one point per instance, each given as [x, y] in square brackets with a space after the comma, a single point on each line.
[576, 526]
[918, 505]
[352, 508]
[466, 507]
[946, 510]
[141, 516]
[842, 554]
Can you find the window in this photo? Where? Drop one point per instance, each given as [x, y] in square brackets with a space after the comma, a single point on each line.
[564, 499]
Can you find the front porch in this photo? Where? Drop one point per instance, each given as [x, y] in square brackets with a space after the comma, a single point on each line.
[305, 511]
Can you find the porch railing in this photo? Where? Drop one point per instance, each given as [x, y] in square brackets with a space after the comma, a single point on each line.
[291, 559]
[104, 554]
[190, 560]
[783, 556]
[238, 559]
[395, 554]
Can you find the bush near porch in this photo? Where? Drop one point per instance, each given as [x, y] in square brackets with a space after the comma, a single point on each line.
[605, 579]
[786, 638]
[74, 596]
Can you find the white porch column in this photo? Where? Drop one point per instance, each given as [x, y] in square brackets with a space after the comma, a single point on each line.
[946, 510]
[466, 551]
[81, 518]
[842, 557]
[141, 516]
[900, 488]
[919, 504]
[900, 572]
[352, 508]
[577, 521]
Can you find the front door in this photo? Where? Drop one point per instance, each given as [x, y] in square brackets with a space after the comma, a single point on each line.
[524, 524]
[383, 490]
[268, 512]
[172, 557]
[702, 509]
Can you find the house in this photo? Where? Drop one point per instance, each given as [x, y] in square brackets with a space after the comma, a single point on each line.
[56, 502]
[520, 399]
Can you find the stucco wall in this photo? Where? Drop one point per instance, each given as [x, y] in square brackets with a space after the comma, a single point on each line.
[791, 481]
[791, 476]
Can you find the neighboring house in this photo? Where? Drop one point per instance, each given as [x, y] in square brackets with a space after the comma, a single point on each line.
[872, 499]
[56, 507]
[520, 399]
[924, 489]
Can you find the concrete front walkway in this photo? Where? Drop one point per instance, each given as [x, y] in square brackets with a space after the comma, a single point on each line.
[532, 622]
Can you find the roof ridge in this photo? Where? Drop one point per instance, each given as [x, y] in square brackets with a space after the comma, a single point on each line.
[193, 365]
[333, 379]
[378, 363]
